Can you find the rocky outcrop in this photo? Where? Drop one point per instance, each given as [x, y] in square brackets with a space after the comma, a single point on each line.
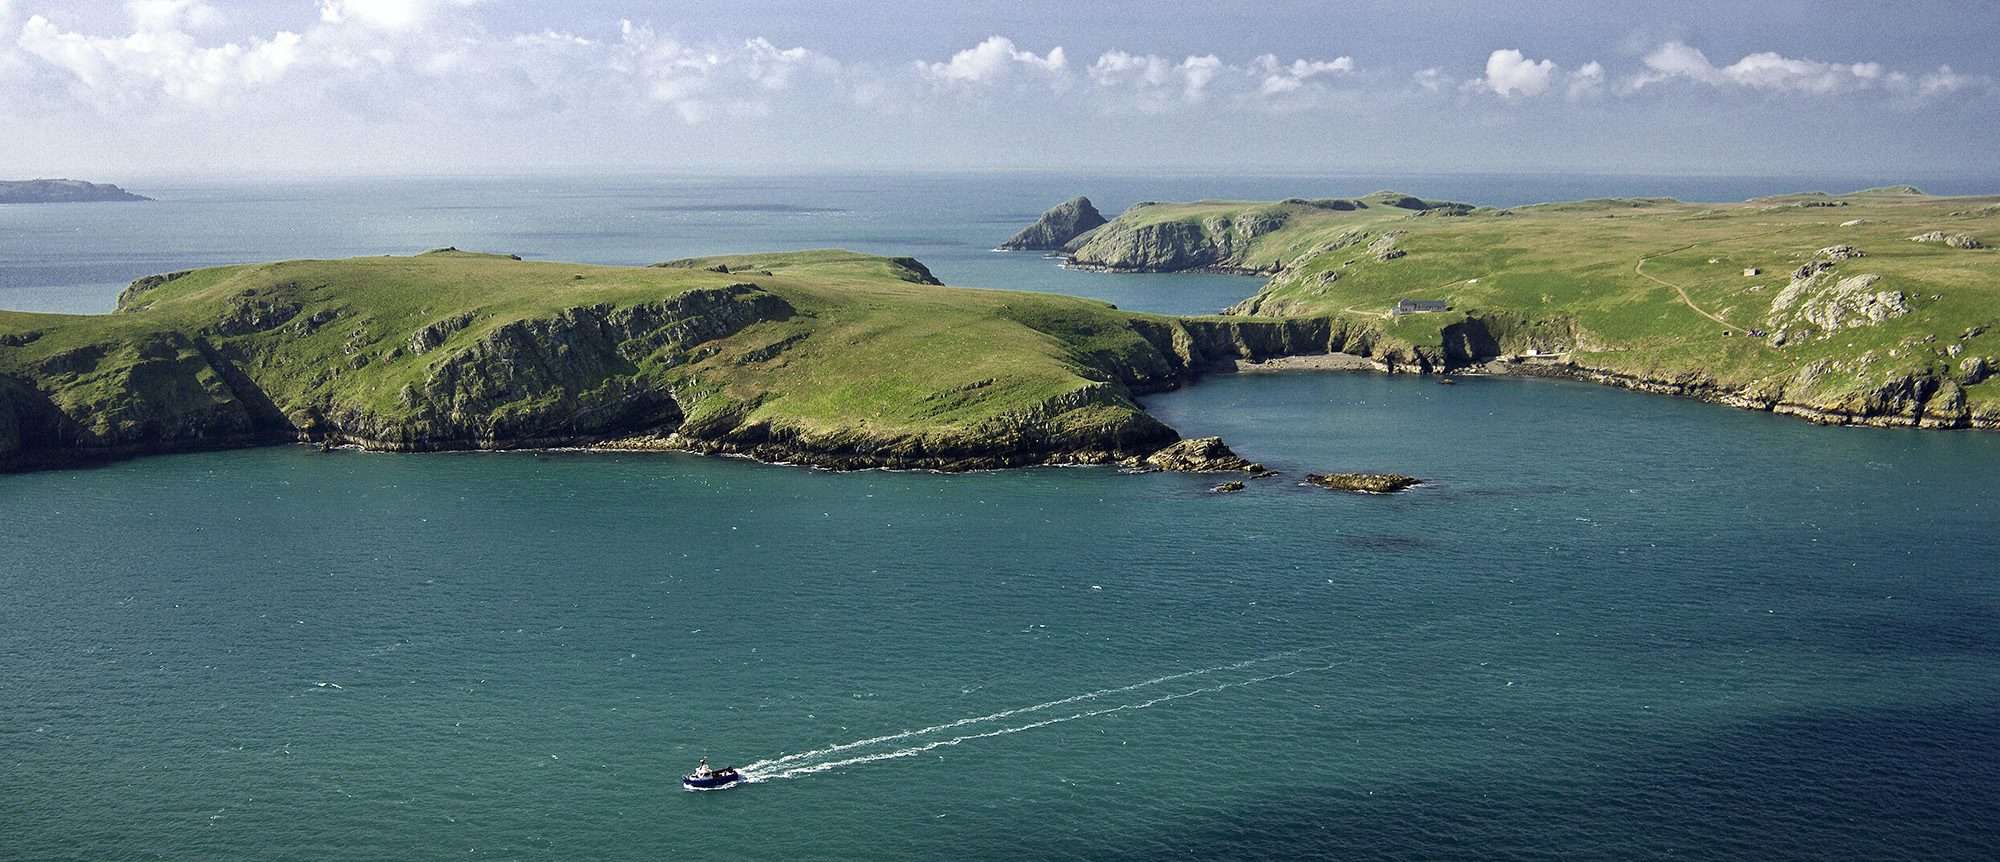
[134, 294]
[1056, 228]
[1366, 483]
[1818, 303]
[62, 191]
[1216, 243]
[1954, 240]
[1200, 455]
[1021, 442]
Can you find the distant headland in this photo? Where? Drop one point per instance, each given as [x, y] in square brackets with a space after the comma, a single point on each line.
[62, 192]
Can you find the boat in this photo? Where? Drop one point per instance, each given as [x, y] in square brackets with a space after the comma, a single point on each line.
[704, 778]
[1446, 381]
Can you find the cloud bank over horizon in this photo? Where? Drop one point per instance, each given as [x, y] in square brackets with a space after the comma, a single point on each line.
[397, 85]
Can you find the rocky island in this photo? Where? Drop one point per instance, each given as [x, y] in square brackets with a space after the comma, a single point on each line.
[62, 191]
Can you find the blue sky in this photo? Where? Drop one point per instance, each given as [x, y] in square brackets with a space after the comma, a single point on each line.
[122, 87]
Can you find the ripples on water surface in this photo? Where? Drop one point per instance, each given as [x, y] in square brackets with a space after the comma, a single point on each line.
[1614, 626]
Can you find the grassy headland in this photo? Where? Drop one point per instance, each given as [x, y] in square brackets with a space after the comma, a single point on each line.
[822, 357]
[1876, 307]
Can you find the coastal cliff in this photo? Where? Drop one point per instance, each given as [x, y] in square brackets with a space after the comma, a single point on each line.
[1231, 237]
[824, 358]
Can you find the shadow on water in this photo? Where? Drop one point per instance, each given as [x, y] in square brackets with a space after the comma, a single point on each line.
[1799, 785]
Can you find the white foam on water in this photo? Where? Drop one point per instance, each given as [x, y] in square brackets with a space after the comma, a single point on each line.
[793, 759]
[802, 769]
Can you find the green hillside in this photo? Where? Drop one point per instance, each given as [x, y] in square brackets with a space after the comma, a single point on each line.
[1646, 292]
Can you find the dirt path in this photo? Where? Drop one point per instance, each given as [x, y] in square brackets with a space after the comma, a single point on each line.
[1640, 268]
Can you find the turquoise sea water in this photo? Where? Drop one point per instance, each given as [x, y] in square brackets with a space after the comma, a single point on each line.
[1614, 626]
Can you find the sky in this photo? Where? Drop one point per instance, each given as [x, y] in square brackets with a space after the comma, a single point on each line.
[111, 88]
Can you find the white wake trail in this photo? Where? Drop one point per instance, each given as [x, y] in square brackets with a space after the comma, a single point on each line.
[791, 759]
[812, 768]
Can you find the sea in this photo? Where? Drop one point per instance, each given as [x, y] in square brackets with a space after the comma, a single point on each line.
[1609, 626]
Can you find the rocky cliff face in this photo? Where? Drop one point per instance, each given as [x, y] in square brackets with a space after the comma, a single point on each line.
[1057, 227]
[584, 374]
[1216, 242]
[161, 391]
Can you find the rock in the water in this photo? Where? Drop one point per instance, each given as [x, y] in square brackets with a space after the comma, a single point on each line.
[1228, 488]
[1955, 240]
[1067, 221]
[1201, 455]
[1369, 483]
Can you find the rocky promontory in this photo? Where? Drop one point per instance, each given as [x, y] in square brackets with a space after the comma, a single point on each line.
[1062, 224]
[1234, 237]
[822, 358]
[62, 191]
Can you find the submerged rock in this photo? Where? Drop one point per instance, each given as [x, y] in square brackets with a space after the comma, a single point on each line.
[1368, 483]
[1064, 222]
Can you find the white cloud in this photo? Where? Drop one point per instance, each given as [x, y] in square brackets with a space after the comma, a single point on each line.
[1766, 71]
[1586, 82]
[166, 15]
[1152, 83]
[698, 82]
[1280, 78]
[1944, 82]
[1510, 73]
[128, 68]
[392, 61]
[389, 15]
[1196, 74]
[991, 61]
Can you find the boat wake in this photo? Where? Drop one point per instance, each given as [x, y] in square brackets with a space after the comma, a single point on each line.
[909, 743]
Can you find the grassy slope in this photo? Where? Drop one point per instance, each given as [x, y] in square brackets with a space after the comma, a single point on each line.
[865, 351]
[1579, 263]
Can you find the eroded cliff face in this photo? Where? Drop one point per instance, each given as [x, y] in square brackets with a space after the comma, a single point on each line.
[583, 374]
[160, 391]
[1216, 243]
